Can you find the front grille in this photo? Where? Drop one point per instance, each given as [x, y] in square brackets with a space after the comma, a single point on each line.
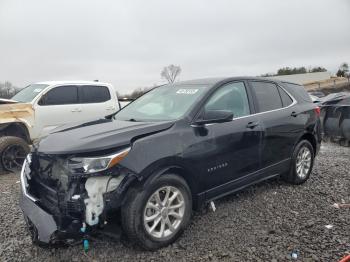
[50, 184]
[47, 196]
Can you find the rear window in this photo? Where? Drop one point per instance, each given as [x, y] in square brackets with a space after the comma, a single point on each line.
[286, 100]
[297, 91]
[94, 94]
[267, 95]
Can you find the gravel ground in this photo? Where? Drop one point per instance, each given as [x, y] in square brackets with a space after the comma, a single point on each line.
[262, 223]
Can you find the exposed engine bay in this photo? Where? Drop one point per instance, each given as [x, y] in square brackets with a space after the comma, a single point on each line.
[77, 203]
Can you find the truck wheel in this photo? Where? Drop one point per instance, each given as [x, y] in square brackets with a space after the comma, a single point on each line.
[155, 216]
[301, 163]
[13, 151]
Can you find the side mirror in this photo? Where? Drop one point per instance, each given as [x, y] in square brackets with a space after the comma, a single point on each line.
[215, 116]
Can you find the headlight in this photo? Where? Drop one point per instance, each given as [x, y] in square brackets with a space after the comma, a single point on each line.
[96, 164]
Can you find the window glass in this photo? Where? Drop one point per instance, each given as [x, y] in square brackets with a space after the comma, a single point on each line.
[28, 93]
[163, 103]
[61, 95]
[231, 97]
[94, 94]
[267, 96]
[297, 91]
[286, 100]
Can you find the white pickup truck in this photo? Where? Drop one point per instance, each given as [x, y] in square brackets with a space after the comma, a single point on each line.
[39, 108]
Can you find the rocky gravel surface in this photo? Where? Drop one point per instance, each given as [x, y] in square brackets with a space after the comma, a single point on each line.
[266, 222]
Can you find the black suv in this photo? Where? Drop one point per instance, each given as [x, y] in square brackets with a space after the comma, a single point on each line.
[172, 150]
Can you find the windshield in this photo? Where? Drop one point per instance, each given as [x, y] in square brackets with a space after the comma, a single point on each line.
[28, 93]
[164, 103]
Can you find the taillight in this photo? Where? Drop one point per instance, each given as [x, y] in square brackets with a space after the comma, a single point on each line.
[318, 111]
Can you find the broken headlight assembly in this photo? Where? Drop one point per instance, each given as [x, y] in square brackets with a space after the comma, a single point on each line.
[90, 165]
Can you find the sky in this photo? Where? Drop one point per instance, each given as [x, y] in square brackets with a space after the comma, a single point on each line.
[127, 43]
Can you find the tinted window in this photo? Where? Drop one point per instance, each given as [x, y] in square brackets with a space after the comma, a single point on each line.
[286, 100]
[298, 92]
[231, 97]
[94, 94]
[267, 96]
[61, 95]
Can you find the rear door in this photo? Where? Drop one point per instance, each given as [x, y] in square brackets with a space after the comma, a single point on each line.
[282, 122]
[56, 107]
[96, 101]
[233, 148]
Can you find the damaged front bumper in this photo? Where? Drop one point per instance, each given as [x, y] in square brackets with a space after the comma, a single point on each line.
[58, 217]
[43, 222]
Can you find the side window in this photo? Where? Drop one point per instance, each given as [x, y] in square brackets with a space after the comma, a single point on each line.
[94, 94]
[298, 92]
[286, 100]
[267, 96]
[231, 97]
[61, 95]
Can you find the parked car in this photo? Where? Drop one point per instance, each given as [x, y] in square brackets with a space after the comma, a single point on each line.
[125, 101]
[315, 99]
[172, 150]
[41, 107]
[335, 117]
[319, 94]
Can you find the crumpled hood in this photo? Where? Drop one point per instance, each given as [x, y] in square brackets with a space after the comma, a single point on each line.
[10, 112]
[97, 135]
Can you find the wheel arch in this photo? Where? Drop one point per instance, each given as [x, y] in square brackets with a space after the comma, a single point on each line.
[156, 170]
[311, 138]
[15, 129]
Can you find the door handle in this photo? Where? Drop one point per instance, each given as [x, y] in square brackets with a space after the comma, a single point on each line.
[76, 110]
[294, 114]
[252, 125]
[110, 108]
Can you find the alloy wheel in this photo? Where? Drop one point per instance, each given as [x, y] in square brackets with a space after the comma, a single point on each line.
[303, 162]
[164, 212]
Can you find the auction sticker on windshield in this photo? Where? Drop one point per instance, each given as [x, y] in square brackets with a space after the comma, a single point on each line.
[187, 91]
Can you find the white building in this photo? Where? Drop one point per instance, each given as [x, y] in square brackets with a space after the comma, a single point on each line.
[305, 78]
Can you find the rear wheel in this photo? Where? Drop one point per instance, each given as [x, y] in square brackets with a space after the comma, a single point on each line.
[13, 151]
[157, 215]
[302, 163]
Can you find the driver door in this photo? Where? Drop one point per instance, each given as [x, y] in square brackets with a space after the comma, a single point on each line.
[235, 145]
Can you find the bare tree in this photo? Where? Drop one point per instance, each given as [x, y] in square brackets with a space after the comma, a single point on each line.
[170, 73]
[7, 90]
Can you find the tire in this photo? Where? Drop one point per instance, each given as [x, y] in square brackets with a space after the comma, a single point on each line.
[295, 175]
[17, 143]
[134, 212]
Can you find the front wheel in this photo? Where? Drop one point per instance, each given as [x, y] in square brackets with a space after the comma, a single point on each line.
[13, 151]
[301, 164]
[155, 216]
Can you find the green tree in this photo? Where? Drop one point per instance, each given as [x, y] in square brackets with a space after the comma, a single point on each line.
[318, 69]
[291, 71]
[343, 70]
